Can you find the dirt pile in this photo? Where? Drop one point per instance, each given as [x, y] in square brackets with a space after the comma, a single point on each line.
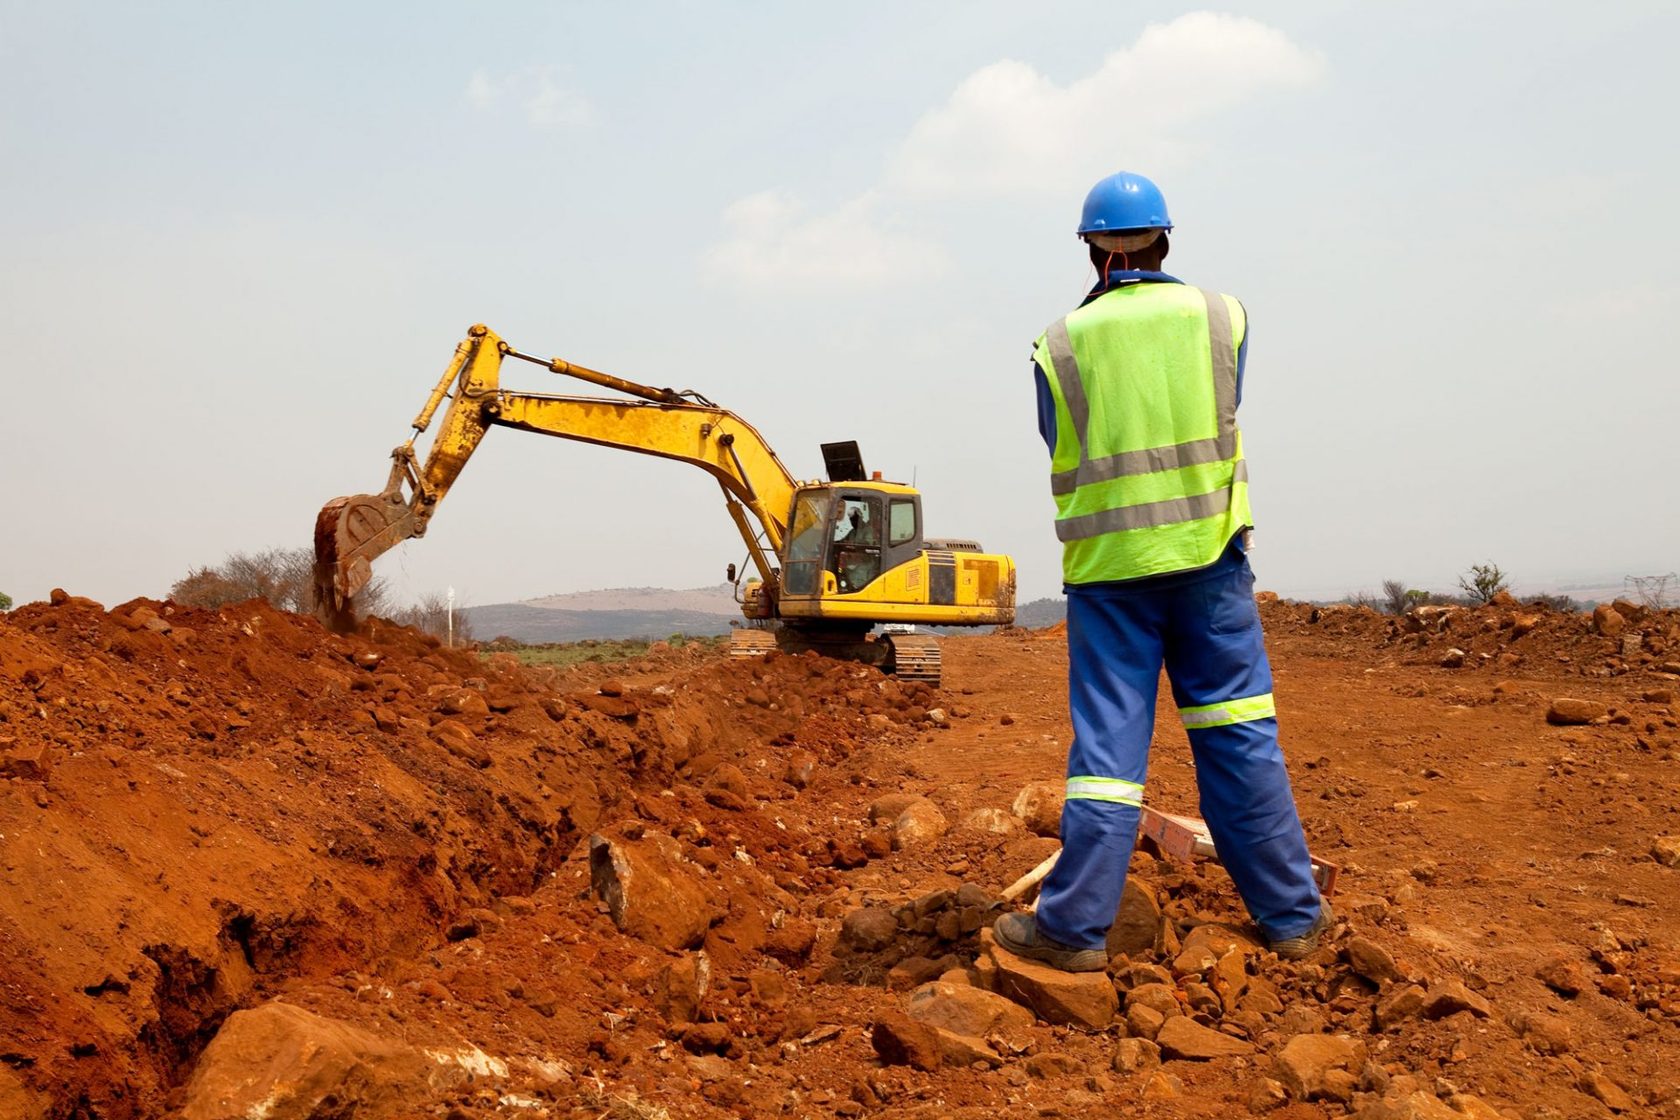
[1611, 641]
[249, 868]
[201, 808]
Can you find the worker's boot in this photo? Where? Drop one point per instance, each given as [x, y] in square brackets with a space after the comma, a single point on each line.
[1305, 944]
[1018, 933]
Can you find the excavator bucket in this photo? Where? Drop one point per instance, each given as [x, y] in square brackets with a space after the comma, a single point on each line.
[349, 533]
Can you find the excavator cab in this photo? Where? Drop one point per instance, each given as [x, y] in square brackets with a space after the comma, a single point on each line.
[844, 536]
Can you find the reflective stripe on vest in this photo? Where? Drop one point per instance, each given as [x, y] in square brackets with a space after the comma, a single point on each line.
[1084, 787]
[1245, 709]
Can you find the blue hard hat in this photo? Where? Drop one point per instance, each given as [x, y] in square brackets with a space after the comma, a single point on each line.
[1124, 200]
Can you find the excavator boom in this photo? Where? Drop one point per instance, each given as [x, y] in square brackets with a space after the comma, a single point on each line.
[351, 532]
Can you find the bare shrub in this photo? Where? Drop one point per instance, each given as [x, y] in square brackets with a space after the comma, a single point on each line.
[284, 577]
[431, 615]
[1482, 582]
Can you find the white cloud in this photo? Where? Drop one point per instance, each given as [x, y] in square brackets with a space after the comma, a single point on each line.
[534, 90]
[1009, 131]
[774, 238]
[1006, 123]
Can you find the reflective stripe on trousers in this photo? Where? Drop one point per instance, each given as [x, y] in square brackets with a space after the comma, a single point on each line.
[1227, 712]
[1087, 788]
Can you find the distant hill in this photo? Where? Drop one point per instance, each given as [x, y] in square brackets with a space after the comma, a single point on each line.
[653, 612]
[1040, 613]
[620, 612]
[717, 599]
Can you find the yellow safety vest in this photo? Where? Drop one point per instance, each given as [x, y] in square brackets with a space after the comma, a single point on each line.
[1147, 471]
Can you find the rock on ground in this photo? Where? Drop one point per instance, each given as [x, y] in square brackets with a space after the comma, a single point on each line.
[1305, 1064]
[917, 825]
[999, 822]
[1666, 850]
[1039, 805]
[1137, 921]
[1183, 1038]
[901, 1041]
[868, 930]
[284, 1063]
[1085, 999]
[1418, 1105]
[1567, 711]
[967, 1011]
[649, 890]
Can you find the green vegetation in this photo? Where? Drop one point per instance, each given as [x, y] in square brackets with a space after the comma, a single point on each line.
[5, 601]
[604, 651]
[1482, 582]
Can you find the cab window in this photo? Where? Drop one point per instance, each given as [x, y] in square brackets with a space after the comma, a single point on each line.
[901, 522]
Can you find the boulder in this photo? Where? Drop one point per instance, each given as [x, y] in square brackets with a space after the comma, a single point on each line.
[1451, 997]
[650, 890]
[1137, 921]
[901, 1041]
[1666, 850]
[726, 787]
[681, 987]
[1159, 998]
[1607, 620]
[1187, 1040]
[1567, 711]
[884, 809]
[964, 1050]
[868, 930]
[1398, 1004]
[1206, 944]
[1419, 1105]
[1135, 1055]
[1144, 1022]
[801, 767]
[1372, 961]
[1266, 1095]
[1545, 1034]
[998, 822]
[967, 1010]
[912, 972]
[1563, 976]
[1305, 1064]
[1474, 1108]
[284, 1063]
[1598, 1086]
[917, 825]
[1085, 999]
[28, 762]
[1039, 805]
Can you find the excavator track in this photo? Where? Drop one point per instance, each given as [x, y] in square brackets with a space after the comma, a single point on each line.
[915, 657]
[750, 642]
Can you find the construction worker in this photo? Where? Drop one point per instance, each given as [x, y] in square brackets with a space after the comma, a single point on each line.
[1138, 390]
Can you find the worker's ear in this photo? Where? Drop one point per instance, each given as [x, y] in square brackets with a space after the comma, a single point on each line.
[1164, 243]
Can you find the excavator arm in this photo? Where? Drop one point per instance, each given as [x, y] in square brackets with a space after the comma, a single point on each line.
[351, 532]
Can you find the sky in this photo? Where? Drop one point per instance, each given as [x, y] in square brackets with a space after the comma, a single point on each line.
[241, 242]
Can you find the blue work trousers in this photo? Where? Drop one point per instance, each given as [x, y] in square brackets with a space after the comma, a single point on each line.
[1207, 633]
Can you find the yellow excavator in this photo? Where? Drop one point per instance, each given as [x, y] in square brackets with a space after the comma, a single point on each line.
[834, 559]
